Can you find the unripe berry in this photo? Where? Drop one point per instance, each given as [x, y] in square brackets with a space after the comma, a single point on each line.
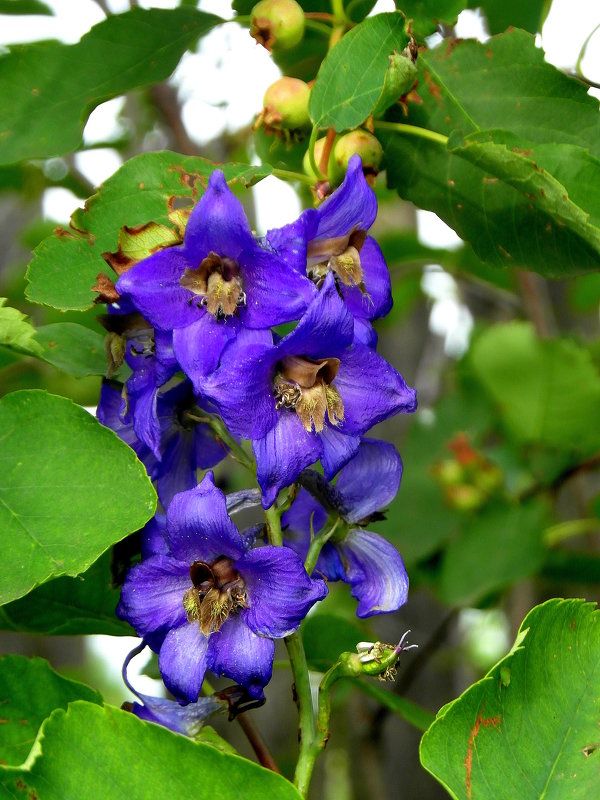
[277, 24]
[365, 144]
[285, 105]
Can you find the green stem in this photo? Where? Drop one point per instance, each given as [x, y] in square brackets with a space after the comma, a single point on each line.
[317, 545]
[581, 56]
[311, 154]
[319, 27]
[273, 518]
[412, 130]
[339, 13]
[288, 175]
[216, 423]
[566, 530]
[306, 714]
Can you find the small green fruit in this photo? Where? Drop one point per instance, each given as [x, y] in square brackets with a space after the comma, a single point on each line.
[277, 24]
[285, 105]
[359, 142]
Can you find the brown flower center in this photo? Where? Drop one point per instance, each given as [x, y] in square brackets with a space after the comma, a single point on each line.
[340, 255]
[218, 284]
[218, 590]
[306, 387]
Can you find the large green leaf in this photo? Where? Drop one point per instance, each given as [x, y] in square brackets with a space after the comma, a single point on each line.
[30, 690]
[73, 348]
[69, 606]
[92, 751]
[49, 89]
[24, 7]
[495, 548]
[529, 729]
[143, 190]
[546, 391]
[351, 79]
[547, 120]
[500, 14]
[69, 489]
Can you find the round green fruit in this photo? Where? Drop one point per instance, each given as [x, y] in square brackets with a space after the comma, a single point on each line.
[277, 24]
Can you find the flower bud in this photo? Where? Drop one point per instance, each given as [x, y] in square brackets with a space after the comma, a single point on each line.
[285, 105]
[277, 24]
[359, 142]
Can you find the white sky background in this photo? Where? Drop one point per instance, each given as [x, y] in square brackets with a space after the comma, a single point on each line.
[221, 88]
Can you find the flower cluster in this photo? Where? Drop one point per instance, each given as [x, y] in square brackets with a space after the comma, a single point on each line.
[198, 326]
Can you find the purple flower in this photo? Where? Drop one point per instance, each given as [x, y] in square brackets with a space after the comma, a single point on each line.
[309, 397]
[182, 445]
[219, 280]
[337, 242]
[210, 602]
[370, 564]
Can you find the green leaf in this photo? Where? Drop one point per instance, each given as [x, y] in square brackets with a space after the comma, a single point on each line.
[529, 729]
[325, 636]
[24, 7]
[500, 14]
[411, 712]
[93, 751]
[545, 391]
[30, 691]
[69, 490]
[143, 190]
[351, 79]
[69, 606]
[73, 348]
[503, 85]
[428, 14]
[49, 89]
[536, 173]
[16, 333]
[497, 547]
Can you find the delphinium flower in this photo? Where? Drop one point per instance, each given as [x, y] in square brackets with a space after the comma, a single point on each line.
[337, 242]
[212, 602]
[219, 281]
[183, 445]
[310, 396]
[370, 564]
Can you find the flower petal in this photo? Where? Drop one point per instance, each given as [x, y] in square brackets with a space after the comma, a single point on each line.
[152, 595]
[371, 480]
[177, 470]
[182, 661]
[153, 287]
[290, 241]
[282, 454]
[371, 390]
[217, 223]
[338, 449]
[377, 301]
[375, 572]
[352, 205]
[198, 526]
[198, 347]
[280, 592]
[238, 653]
[186, 719]
[365, 333]
[275, 293]
[153, 537]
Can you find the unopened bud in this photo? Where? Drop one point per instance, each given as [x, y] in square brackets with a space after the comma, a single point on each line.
[277, 24]
[364, 144]
[378, 659]
[285, 105]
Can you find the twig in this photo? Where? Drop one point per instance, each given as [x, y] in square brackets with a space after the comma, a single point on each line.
[167, 103]
[257, 743]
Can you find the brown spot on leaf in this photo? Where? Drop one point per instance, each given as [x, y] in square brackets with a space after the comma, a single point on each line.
[432, 86]
[3, 720]
[572, 625]
[590, 748]
[451, 183]
[106, 289]
[521, 152]
[23, 722]
[486, 722]
[489, 53]
[504, 251]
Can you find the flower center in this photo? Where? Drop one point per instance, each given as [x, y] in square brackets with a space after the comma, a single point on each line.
[340, 255]
[306, 386]
[218, 284]
[218, 590]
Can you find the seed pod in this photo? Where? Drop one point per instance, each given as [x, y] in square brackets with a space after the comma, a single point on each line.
[277, 24]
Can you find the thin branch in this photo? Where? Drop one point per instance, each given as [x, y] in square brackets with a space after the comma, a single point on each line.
[167, 104]
[258, 743]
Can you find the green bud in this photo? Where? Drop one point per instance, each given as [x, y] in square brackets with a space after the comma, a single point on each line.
[285, 105]
[378, 659]
[399, 79]
[359, 142]
[465, 497]
[277, 24]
